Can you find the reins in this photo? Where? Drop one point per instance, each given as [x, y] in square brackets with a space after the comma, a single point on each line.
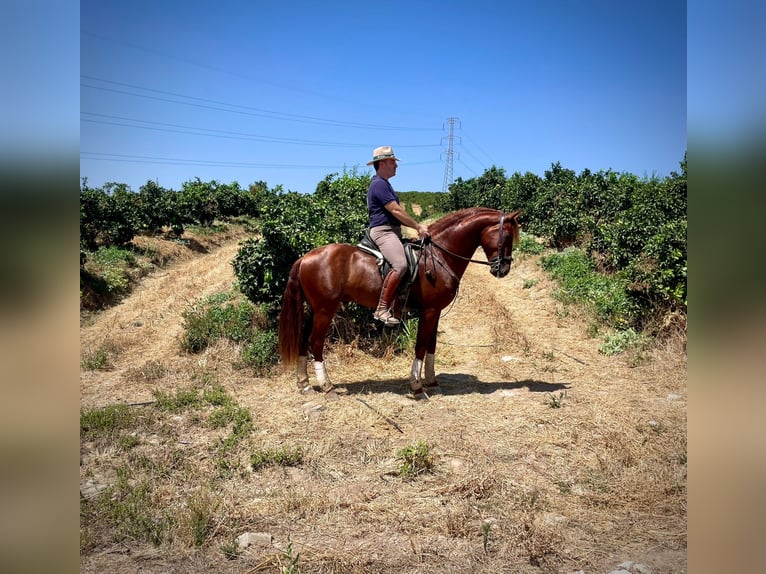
[448, 252]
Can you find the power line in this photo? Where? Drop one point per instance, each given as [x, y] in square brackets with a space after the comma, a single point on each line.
[210, 132]
[99, 156]
[468, 167]
[468, 137]
[237, 108]
[128, 158]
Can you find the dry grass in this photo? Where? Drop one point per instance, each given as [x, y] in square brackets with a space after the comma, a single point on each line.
[547, 457]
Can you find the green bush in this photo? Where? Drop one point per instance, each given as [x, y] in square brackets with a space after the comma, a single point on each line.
[529, 245]
[292, 224]
[261, 351]
[621, 341]
[227, 316]
[606, 296]
[630, 227]
[211, 319]
[106, 275]
[415, 460]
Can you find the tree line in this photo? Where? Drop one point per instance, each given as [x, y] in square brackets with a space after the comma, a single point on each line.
[627, 226]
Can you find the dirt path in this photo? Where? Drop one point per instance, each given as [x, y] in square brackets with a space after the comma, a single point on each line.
[146, 327]
[495, 329]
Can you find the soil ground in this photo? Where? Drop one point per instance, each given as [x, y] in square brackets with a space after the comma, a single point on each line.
[547, 456]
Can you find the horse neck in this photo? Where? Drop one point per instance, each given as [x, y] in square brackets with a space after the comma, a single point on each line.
[464, 237]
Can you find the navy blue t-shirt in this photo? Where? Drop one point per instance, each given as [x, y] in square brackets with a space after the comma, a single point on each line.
[381, 193]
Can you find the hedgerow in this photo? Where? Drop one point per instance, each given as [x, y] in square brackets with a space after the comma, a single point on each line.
[291, 224]
[631, 229]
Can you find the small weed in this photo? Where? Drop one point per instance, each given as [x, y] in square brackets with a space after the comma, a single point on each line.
[95, 360]
[292, 561]
[416, 459]
[104, 422]
[180, 401]
[282, 456]
[129, 441]
[406, 336]
[565, 487]
[230, 549]
[529, 283]
[100, 358]
[217, 396]
[485, 527]
[557, 401]
[242, 424]
[131, 511]
[151, 371]
[201, 511]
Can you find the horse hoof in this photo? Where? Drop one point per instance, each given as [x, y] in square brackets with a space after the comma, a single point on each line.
[419, 395]
[307, 390]
[331, 395]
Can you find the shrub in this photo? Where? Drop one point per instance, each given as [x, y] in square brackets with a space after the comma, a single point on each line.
[606, 296]
[212, 319]
[104, 422]
[282, 456]
[416, 459]
[292, 224]
[261, 351]
[622, 341]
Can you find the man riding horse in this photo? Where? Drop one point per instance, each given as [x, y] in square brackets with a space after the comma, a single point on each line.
[386, 219]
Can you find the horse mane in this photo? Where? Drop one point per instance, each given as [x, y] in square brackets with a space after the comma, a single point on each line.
[450, 220]
[453, 219]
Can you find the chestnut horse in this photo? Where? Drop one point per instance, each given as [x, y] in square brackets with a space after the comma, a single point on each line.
[339, 272]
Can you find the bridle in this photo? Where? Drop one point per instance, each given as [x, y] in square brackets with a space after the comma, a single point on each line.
[495, 262]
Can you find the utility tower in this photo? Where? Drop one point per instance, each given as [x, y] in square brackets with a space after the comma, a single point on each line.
[450, 153]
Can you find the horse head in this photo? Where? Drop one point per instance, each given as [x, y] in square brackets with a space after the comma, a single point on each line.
[497, 241]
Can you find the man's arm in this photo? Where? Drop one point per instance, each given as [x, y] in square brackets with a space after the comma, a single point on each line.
[405, 218]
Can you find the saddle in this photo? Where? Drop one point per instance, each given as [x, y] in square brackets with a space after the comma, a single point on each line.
[411, 253]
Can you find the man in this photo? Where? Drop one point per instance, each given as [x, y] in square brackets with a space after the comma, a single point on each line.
[386, 219]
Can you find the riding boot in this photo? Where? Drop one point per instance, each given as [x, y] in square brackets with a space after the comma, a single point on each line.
[387, 294]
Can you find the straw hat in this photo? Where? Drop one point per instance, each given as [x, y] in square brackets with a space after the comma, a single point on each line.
[383, 152]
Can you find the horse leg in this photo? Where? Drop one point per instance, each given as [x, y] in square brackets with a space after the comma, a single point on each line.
[426, 334]
[319, 330]
[430, 375]
[302, 372]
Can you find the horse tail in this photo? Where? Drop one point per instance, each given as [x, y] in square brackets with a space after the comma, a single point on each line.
[291, 318]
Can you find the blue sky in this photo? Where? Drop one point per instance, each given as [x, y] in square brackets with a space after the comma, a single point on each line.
[289, 92]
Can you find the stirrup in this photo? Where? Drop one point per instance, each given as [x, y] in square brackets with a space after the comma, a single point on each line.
[386, 317]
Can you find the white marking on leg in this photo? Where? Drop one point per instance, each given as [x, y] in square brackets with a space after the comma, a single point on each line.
[320, 373]
[324, 381]
[430, 369]
[417, 365]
